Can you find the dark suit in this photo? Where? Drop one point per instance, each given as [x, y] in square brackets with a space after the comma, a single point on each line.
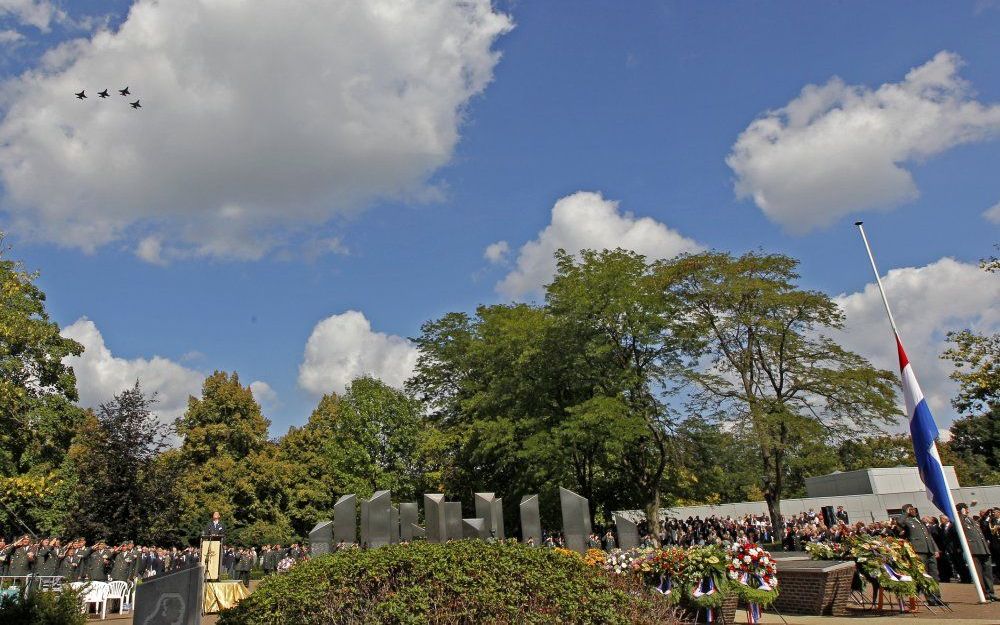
[214, 529]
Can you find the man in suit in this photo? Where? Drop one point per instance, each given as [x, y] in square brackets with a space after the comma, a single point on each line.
[914, 530]
[979, 549]
[215, 527]
[841, 515]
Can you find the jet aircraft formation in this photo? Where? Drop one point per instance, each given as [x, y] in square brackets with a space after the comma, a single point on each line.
[104, 94]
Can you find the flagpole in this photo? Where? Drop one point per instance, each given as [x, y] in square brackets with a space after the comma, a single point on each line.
[959, 528]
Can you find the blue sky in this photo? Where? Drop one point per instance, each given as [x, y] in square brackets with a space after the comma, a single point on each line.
[641, 102]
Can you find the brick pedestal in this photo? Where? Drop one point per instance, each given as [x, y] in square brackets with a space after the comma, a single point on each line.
[813, 587]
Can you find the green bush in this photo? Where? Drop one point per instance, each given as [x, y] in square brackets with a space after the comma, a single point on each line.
[42, 608]
[470, 582]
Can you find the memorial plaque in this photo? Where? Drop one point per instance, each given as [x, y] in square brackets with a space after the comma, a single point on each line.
[576, 520]
[531, 525]
[628, 532]
[173, 599]
[453, 520]
[407, 520]
[437, 531]
[320, 538]
[345, 520]
[379, 518]
[490, 509]
[475, 528]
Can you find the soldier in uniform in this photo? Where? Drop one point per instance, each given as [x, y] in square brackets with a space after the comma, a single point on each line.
[244, 564]
[96, 566]
[48, 566]
[69, 566]
[5, 551]
[914, 530]
[121, 566]
[22, 558]
[979, 549]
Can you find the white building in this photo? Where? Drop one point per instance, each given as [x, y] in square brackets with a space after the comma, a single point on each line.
[867, 495]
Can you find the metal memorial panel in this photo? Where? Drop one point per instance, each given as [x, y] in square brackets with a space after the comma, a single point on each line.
[453, 520]
[407, 519]
[345, 520]
[628, 532]
[437, 531]
[379, 518]
[531, 524]
[490, 509]
[173, 599]
[320, 538]
[475, 528]
[576, 520]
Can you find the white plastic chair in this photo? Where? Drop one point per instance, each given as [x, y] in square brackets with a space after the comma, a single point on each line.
[117, 591]
[96, 593]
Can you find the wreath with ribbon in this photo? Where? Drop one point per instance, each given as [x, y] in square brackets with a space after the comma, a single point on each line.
[704, 580]
[754, 573]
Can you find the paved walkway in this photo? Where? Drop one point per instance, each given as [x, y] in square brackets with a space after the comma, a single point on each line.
[966, 610]
[962, 597]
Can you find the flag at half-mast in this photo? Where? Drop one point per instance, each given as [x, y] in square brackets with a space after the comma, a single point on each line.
[924, 433]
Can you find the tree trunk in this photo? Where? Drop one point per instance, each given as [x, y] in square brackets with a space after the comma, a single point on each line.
[653, 517]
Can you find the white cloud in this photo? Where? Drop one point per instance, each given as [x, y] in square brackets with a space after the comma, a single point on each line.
[992, 214]
[266, 396]
[927, 302]
[37, 13]
[10, 36]
[343, 347]
[100, 374]
[261, 121]
[497, 252]
[837, 149]
[585, 220]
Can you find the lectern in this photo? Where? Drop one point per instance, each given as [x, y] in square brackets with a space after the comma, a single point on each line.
[211, 556]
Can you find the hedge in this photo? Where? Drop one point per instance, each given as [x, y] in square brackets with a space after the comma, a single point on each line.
[459, 582]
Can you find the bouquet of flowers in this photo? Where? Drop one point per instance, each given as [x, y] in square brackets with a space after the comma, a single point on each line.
[825, 551]
[703, 577]
[878, 560]
[667, 569]
[595, 557]
[754, 572]
[623, 561]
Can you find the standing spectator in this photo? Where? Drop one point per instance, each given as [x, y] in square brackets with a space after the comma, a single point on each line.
[244, 564]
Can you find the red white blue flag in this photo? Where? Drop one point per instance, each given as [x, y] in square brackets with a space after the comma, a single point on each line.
[924, 433]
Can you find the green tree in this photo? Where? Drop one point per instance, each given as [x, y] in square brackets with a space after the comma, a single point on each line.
[37, 391]
[975, 441]
[115, 492]
[768, 369]
[976, 357]
[887, 450]
[221, 432]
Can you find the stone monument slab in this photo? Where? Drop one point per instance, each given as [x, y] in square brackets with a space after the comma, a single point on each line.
[453, 520]
[407, 519]
[576, 520]
[380, 519]
[531, 524]
[345, 520]
[437, 530]
[320, 538]
[173, 599]
[490, 509]
[628, 532]
[475, 528]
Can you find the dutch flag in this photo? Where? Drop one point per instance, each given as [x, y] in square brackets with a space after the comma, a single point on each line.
[924, 433]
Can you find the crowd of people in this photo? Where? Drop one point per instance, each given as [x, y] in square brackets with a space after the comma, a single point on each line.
[75, 560]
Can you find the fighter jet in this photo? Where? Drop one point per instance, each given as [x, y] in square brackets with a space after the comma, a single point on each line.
[103, 94]
[135, 105]
[123, 91]
[81, 96]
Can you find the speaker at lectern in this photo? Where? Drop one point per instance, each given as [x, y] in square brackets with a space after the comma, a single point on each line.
[211, 547]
